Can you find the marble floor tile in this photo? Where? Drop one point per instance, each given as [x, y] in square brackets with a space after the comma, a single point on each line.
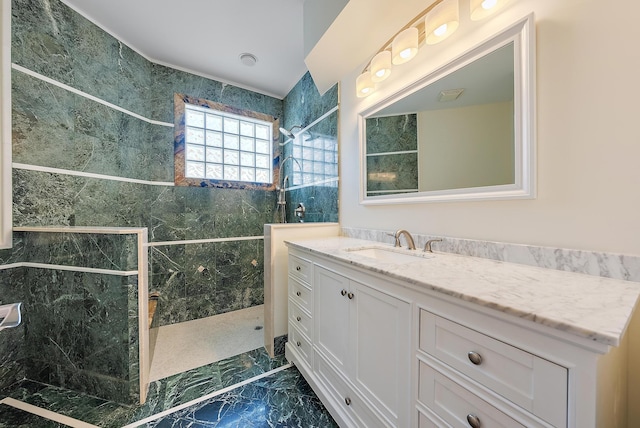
[282, 399]
[10, 417]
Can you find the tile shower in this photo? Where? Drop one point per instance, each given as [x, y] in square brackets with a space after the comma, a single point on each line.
[93, 146]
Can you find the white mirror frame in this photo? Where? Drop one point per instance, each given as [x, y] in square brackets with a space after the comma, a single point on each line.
[522, 34]
[5, 125]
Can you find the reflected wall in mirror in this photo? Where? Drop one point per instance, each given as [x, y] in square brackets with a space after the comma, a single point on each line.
[463, 132]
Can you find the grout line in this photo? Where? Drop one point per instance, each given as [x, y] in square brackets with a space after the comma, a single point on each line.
[208, 396]
[17, 165]
[204, 241]
[47, 414]
[88, 96]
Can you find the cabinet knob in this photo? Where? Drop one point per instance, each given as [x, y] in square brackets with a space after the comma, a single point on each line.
[343, 292]
[298, 293]
[350, 295]
[474, 421]
[298, 268]
[298, 318]
[347, 401]
[475, 358]
[298, 343]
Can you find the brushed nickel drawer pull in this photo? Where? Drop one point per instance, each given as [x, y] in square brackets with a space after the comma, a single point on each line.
[347, 401]
[298, 318]
[474, 421]
[475, 358]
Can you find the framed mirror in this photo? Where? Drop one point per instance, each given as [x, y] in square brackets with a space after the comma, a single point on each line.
[464, 132]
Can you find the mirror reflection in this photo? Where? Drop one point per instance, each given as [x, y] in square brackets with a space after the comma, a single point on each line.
[456, 133]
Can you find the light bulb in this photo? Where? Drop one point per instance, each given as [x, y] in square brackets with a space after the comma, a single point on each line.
[489, 4]
[441, 30]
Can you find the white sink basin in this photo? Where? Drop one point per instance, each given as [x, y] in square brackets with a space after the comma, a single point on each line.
[393, 255]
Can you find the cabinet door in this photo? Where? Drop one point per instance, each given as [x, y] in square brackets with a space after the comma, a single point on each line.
[331, 314]
[381, 350]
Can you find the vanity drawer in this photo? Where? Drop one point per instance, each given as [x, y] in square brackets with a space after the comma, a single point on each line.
[300, 319]
[301, 294]
[300, 268]
[455, 405]
[300, 344]
[527, 380]
[350, 403]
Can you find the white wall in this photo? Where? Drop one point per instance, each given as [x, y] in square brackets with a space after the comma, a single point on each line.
[479, 153]
[588, 135]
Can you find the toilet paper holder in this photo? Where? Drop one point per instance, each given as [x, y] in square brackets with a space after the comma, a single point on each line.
[10, 315]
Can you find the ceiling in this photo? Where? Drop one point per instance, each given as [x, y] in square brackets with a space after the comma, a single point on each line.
[207, 37]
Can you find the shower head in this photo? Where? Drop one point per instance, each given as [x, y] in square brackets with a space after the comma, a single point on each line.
[288, 132]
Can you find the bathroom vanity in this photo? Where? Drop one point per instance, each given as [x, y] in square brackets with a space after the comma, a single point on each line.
[389, 337]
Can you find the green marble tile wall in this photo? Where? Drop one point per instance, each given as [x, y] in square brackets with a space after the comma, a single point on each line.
[79, 330]
[11, 339]
[392, 171]
[81, 162]
[303, 106]
[58, 128]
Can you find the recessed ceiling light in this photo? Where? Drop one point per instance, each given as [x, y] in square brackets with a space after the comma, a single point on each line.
[248, 59]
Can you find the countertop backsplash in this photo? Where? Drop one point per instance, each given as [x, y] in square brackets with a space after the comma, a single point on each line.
[607, 265]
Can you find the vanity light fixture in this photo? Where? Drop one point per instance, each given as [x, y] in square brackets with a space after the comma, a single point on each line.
[381, 66]
[404, 46]
[480, 9]
[431, 26]
[441, 22]
[364, 84]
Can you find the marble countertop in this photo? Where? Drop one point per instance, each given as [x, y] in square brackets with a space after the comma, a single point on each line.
[588, 306]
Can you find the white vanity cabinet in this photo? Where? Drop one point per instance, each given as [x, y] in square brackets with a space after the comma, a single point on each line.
[407, 344]
[361, 348]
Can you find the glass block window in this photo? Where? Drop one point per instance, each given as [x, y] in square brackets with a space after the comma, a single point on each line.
[317, 158]
[224, 146]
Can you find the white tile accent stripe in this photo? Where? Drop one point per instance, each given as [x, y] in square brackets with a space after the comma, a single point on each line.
[88, 96]
[89, 174]
[70, 268]
[207, 397]
[47, 414]
[105, 230]
[315, 183]
[204, 241]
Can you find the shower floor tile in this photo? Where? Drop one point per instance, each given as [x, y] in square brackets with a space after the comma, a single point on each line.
[187, 345]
